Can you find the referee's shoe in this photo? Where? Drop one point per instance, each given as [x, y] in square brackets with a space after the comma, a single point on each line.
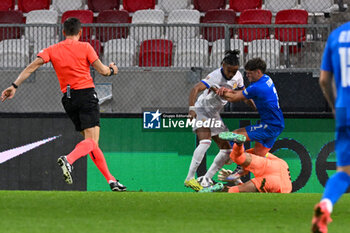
[66, 169]
[116, 186]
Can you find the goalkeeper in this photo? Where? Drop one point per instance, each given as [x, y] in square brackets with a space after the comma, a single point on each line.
[271, 173]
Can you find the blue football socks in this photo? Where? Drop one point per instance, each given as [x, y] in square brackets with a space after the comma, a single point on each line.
[336, 186]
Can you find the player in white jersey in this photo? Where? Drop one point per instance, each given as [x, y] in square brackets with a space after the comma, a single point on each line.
[207, 109]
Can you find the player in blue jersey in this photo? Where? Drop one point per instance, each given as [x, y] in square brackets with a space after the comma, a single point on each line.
[336, 62]
[264, 94]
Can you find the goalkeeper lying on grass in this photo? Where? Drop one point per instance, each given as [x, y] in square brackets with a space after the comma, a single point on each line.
[271, 173]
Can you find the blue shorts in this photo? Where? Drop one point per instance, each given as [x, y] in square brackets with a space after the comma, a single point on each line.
[264, 134]
[342, 146]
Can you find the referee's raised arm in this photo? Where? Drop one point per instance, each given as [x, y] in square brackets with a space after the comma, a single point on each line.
[9, 92]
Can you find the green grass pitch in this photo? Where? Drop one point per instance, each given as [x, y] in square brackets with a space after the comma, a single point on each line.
[56, 211]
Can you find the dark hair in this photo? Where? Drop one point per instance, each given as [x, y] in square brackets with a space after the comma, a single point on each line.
[256, 64]
[71, 26]
[231, 57]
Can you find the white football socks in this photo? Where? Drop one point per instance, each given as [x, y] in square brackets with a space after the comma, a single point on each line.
[197, 157]
[220, 159]
[329, 204]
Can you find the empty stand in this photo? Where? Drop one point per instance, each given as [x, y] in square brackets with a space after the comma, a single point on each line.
[41, 17]
[85, 17]
[120, 51]
[254, 17]
[218, 51]
[14, 53]
[170, 5]
[268, 50]
[217, 16]
[10, 17]
[291, 38]
[112, 16]
[141, 33]
[314, 6]
[135, 5]
[191, 53]
[101, 5]
[291, 17]
[176, 33]
[29, 5]
[239, 5]
[6, 5]
[66, 5]
[156, 53]
[278, 5]
[206, 5]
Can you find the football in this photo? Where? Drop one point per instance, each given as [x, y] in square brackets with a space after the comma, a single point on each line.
[205, 181]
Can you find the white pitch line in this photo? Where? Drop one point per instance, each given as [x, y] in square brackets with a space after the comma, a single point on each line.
[9, 154]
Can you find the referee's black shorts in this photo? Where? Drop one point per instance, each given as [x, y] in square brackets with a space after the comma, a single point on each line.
[82, 108]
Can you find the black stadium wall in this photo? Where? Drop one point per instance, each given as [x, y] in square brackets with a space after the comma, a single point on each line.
[37, 169]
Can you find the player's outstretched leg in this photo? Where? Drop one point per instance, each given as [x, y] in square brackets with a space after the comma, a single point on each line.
[230, 136]
[220, 160]
[214, 188]
[321, 218]
[239, 139]
[66, 169]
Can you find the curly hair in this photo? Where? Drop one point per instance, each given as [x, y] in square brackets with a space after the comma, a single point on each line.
[231, 57]
[256, 64]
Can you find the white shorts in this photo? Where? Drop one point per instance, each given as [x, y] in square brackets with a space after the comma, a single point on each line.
[216, 125]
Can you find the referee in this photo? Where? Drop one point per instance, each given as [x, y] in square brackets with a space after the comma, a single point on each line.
[71, 60]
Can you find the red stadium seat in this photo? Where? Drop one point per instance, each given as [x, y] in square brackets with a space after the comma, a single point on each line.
[112, 16]
[217, 16]
[29, 5]
[10, 17]
[156, 53]
[206, 5]
[293, 35]
[85, 16]
[6, 5]
[254, 17]
[101, 5]
[135, 5]
[239, 5]
[291, 17]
